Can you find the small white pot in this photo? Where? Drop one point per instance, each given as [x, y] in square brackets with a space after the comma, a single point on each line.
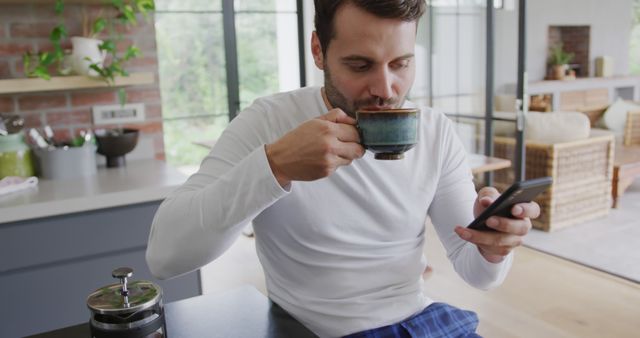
[86, 51]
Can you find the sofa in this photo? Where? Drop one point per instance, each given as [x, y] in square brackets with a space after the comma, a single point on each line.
[622, 117]
[631, 136]
[578, 158]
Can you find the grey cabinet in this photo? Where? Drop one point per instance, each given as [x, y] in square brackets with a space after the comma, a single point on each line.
[49, 266]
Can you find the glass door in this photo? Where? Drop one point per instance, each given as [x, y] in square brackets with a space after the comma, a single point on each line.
[469, 65]
[452, 47]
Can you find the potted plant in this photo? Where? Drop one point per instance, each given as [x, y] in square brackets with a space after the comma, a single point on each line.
[125, 12]
[86, 48]
[95, 53]
[559, 61]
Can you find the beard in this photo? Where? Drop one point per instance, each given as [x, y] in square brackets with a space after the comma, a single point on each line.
[338, 100]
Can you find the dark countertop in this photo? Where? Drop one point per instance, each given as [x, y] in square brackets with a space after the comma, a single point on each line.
[242, 312]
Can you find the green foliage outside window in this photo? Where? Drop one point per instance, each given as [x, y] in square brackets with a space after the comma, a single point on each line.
[257, 56]
[193, 82]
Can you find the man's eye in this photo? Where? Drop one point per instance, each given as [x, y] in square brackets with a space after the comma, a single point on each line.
[359, 66]
[400, 64]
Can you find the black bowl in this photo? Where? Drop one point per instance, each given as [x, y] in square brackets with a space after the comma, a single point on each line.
[115, 143]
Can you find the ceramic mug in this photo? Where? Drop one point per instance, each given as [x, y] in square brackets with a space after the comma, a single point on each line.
[388, 133]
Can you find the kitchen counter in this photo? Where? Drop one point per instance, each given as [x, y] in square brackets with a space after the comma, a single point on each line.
[138, 182]
[241, 312]
[59, 242]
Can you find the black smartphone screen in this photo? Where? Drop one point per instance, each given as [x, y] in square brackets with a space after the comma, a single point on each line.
[519, 192]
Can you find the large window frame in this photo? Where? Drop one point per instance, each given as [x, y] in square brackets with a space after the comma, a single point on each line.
[227, 35]
[521, 94]
[231, 51]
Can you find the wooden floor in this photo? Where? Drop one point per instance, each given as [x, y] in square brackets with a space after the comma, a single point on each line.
[543, 296]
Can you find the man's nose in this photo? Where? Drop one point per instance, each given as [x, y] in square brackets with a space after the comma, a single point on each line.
[381, 83]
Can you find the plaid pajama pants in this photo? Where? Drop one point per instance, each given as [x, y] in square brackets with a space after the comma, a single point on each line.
[437, 320]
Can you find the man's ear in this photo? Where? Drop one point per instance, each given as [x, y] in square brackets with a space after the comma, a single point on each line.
[316, 50]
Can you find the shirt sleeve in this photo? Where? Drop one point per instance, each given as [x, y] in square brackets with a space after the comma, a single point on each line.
[202, 218]
[453, 205]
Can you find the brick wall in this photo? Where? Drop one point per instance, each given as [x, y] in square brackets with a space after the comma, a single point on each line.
[27, 27]
[576, 40]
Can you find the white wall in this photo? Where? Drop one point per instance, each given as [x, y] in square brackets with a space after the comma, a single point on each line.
[314, 75]
[506, 48]
[610, 23]
[287, 41]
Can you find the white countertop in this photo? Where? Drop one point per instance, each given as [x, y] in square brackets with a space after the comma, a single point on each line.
[138, 182]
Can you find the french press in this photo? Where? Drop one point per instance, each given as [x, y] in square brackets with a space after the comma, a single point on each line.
[127, 309]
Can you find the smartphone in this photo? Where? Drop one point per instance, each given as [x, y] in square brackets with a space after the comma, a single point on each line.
[519, 192]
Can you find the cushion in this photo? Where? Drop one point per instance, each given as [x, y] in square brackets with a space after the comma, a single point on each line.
[615, 116]
[504, 128]
[556, 127]
[546, 127]
[504, 102]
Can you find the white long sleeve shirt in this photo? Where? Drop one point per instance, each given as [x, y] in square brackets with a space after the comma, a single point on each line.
[341, 254]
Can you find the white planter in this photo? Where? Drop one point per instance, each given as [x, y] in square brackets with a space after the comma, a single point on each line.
[86, 51]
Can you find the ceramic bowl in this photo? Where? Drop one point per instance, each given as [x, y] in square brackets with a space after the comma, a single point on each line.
[115, 143]
[388, 133]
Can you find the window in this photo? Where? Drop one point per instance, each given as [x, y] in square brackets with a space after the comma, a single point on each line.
[452, 41]
[215, 57]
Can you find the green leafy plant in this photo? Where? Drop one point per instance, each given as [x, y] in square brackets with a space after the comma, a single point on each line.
[127, 11]
[38, 64]
[104, 27]
[558, 57]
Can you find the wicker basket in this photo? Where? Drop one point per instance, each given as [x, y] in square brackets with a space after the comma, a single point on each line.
[581, 171]
[632, 129]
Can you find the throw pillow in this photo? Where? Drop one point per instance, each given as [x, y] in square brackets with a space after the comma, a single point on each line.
[556, 127]
[615, 116]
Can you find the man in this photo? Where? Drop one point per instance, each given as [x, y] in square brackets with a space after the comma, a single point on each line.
[340, 234]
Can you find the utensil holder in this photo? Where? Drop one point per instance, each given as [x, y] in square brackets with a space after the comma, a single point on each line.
[68, 162]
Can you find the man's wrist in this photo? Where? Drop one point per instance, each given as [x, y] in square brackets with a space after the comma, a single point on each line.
[275, 169]
[495, 259]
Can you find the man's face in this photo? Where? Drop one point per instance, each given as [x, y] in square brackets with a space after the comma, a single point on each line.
[370, 61]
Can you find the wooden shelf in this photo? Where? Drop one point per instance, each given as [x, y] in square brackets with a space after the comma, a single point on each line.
[32, 85]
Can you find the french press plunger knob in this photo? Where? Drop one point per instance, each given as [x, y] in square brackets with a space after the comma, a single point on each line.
[123, 274]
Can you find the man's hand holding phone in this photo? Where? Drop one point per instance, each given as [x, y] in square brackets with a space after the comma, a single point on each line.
[505, 228]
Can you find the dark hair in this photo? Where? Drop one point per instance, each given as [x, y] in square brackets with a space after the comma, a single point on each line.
[406, 10]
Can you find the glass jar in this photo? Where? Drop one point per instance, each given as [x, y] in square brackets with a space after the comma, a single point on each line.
[15, 156]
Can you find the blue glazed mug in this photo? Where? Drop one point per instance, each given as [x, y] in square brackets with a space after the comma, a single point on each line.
[388, 133]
